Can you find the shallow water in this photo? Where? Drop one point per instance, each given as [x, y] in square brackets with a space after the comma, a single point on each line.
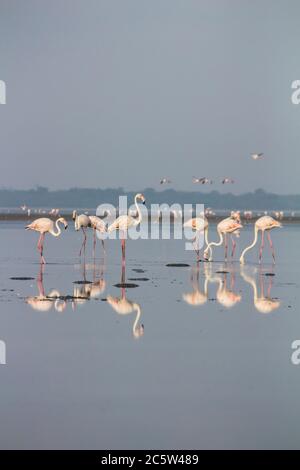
[202, 361]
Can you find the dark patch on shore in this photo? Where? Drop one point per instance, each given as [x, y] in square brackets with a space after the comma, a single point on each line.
[222, 272]
[126, 285]
[138, 279]
[268, 274]
[138, 270]
[22, 278]
[177, 265]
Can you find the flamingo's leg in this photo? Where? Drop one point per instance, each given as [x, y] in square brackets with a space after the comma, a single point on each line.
[39, 243]
[40, 247]
[226, 246]
[233, 246]
[84, 241]
[196, 248]
[94, 243]
[271, 246]
[262, 245]
[123, 252]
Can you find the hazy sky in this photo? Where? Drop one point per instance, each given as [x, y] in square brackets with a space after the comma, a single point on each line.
[122, 92]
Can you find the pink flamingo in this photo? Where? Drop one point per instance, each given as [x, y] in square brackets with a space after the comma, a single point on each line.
[99, 225]
[45, 225]
[265, 223]
[81, 221]
[228, 225]
[200, 225]
[124, 222]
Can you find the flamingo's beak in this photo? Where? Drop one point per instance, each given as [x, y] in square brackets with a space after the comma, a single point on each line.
[66, 226]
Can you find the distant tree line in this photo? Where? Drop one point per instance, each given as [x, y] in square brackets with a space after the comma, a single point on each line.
[91, 198]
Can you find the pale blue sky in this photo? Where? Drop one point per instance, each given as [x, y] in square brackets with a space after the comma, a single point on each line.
[122, 92]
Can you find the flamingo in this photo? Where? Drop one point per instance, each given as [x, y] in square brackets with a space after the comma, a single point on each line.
[81, 221]
[227, 180]
[228, 225]
[236, 215]
[165, 181]
[99, 225]
[264, 223]
[199, 224]
[45, 225]
[124, 222]
[203, 180]
[257, 156]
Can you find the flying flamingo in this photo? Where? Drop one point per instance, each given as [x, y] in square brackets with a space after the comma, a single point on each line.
[264, 223]
[202, 180]
[82, 221]
[165, 181]
[200, 225]
[257, 156]
[45, 225]
[228, 225]
[99, 225]
[124, 222]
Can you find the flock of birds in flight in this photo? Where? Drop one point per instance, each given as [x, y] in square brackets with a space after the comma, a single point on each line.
[205, 180]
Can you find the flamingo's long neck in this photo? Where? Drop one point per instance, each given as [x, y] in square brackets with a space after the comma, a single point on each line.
[242, 261]
[215, 243]
[139, 219]
[58, 232]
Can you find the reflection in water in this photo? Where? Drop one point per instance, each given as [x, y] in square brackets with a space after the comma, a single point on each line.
[197, 297]
[81, 292]
[262, 303]
[124, 306]
[44, 302]
[225, 296]
[88, 290]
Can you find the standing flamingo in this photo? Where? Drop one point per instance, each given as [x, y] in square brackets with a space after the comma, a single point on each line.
[82, 221]
[200, 225]
[124, 222]
[99, 225]
[228, 225]
[45, 225]
[264, 223]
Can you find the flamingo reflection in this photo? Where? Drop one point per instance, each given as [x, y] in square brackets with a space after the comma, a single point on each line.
[196, 297]
[226, 296]
[263, 303]
[89, 289]
[44, 302]
[123, 306]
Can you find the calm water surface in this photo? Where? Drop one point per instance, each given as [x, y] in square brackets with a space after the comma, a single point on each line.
[201, 359]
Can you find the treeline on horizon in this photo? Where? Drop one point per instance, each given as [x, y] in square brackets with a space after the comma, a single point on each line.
[91, 198]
